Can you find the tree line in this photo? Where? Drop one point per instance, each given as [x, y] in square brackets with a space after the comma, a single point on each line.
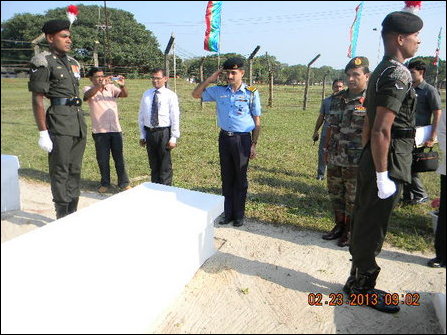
[133, 51]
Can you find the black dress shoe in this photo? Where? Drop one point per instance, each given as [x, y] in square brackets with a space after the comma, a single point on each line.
[224, 220]
[238, 222]
[417, 201]
[436, 263]
[336, 232]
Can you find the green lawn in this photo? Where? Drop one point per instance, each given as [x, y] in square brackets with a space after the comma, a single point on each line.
[282, 184]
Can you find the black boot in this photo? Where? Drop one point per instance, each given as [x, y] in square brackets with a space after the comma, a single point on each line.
[73, 205]
[61, 210]
[345, 238]
[336, 232]
[364, 285]
[350, 281]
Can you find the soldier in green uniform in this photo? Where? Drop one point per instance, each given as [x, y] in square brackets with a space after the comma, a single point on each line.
[385, 163]
[55, 75]
[344, 146]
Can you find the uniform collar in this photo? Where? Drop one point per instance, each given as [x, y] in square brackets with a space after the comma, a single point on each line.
[242, 88]
[422, 85]
[161, 89]
[357, 97]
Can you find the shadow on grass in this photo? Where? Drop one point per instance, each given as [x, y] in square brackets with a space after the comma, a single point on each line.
[88, 187]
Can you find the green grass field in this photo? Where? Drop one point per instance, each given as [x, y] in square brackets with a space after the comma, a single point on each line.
[282, 184]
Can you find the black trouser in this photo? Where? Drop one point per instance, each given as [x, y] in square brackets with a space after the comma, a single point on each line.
[234, 153]
[416, 189]
[159, 157]
[440, 238]
[65, 161]
[371, 216]
[104, 144]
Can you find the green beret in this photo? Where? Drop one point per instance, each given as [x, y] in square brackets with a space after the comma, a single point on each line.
[233, 63]
[54, 26]
[357, 62]
[402, 22]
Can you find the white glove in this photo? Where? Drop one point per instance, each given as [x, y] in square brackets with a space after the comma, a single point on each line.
[386, 186]
[45, 141]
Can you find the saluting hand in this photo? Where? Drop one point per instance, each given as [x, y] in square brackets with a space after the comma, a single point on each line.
[215, 76]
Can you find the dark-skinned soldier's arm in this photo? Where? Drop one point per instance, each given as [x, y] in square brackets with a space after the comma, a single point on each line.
[381, 137]
[366, 131]
[39, 110]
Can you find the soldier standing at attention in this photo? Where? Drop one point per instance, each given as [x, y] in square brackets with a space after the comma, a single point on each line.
[389, 139]
[55, 75]
[322, 120]
[344, 146]
[238, 115]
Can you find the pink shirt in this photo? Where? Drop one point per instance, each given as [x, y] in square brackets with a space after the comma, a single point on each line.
[104, 110]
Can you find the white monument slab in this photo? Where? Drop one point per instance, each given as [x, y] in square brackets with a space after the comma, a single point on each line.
[112, 267]
[10, 183]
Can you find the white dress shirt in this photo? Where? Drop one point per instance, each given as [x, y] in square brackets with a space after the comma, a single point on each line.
[168, 112]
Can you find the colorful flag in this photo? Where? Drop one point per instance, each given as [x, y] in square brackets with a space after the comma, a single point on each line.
[354, 31]
[436, 60]
[212, 19]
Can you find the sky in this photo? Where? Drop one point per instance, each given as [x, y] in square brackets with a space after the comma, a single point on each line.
[292, 31]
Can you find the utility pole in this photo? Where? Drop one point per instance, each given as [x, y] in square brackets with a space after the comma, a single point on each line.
[35, 43]
[201, 77]
[307, 81]
[109, 61]
[250, 65]
[270, 74]
[95, 54]
[168, 48]
[324, 85]
[175, 66]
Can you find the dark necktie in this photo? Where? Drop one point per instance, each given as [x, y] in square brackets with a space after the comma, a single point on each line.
[154, 111]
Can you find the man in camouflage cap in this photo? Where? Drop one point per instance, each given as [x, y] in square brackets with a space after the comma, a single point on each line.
[388, 137]
[55, 75]
[344, 145]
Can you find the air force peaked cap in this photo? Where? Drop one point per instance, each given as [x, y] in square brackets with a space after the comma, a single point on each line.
[54, 26]
[402, 22]
[357, 62]
[233, 63]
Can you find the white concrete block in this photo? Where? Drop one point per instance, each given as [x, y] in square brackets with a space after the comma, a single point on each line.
[439, 303]
[10, 183]
[112, 267]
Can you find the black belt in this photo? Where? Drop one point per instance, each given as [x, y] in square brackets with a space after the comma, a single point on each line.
[155, 128]
[403, 132]
[233, 133]
[66, 102]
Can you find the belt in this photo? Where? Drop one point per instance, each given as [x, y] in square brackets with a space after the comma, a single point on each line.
[403, 132]
[66, 102]
[155, 128]
[233, 133]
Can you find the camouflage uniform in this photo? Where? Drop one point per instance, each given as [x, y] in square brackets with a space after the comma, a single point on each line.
[346, 118]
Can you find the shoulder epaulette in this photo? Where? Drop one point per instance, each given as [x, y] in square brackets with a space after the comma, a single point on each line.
[251, 88]
[40, 59]
[73, 60]
[400, 72]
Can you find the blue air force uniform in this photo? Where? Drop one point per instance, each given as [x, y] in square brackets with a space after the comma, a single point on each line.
[235, 111]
